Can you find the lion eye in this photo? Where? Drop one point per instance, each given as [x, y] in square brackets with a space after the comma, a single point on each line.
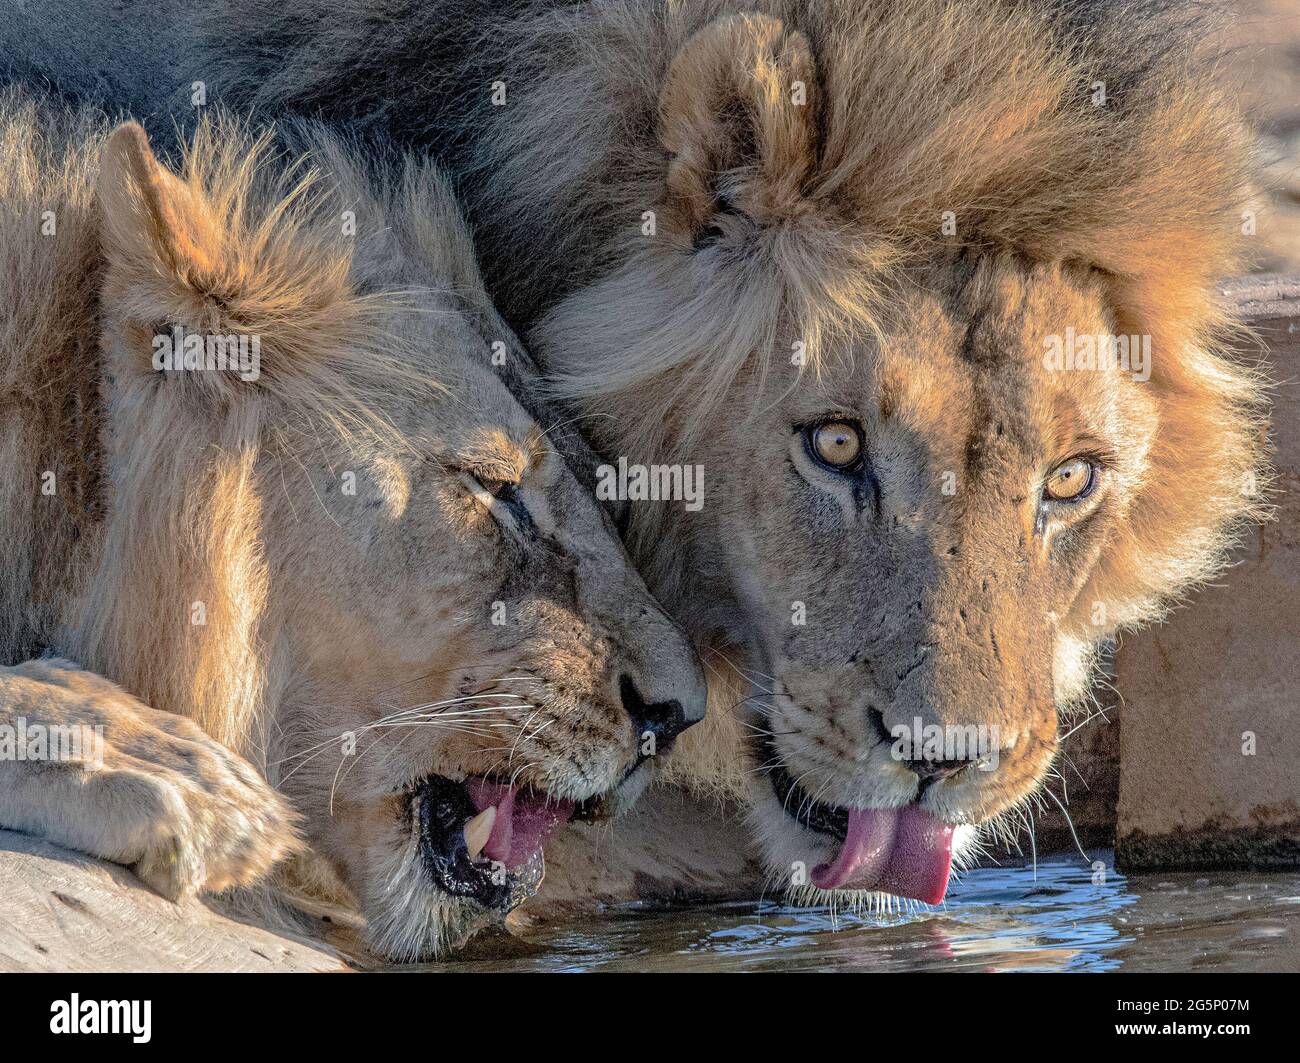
[836, 443]
[505, 490]
[502, 489]
[1071, 481]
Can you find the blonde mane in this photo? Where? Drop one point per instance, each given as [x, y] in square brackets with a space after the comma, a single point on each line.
[921, 118]
[147, 564]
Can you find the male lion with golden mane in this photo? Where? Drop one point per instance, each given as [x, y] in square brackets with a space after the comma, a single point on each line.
[347, 589]
[925, 287]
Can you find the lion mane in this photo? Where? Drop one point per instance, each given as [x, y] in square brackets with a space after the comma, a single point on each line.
[1098, 134]
[186, 528]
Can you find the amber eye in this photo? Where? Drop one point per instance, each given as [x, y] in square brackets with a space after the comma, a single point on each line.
[1071, 481]
[836, 443]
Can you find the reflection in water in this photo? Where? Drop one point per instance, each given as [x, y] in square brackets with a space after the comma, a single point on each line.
[1062, 916]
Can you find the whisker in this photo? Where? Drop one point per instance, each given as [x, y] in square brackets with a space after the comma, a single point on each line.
[1092, 716]
[1070, 823]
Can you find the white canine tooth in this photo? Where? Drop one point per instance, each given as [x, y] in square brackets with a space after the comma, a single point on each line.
[478, 830]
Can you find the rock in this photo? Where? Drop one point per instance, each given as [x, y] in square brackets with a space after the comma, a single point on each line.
[62, 911]
[1210, 748]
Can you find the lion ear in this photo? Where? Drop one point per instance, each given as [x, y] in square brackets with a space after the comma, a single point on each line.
[739, 114]
[151, 217]
[171, 279]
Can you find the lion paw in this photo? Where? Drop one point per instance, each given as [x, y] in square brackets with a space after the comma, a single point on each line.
[205, 829]
[161, 796]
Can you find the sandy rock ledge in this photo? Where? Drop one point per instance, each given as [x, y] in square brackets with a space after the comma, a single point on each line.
[61, 911]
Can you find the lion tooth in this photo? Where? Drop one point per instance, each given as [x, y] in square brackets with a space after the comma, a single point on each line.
[478, 830]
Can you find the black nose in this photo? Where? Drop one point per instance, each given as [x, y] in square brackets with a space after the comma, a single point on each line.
[931, 771]
[663, 719]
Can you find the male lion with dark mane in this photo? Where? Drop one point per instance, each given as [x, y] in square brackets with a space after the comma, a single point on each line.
[354, 569]
[925, 287]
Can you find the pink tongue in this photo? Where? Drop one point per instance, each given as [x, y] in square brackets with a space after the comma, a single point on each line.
[523, 822]
[904, 851]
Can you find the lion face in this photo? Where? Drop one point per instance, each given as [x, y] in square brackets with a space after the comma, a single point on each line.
[908, 544]
[964, 409]
[477, 662]
[408, 605]
[916, 532]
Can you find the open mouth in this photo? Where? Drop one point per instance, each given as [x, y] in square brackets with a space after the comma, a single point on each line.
[482, 839]
[904, 851]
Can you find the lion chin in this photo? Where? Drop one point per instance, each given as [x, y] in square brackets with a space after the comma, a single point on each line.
[475, 851]
[461, 871]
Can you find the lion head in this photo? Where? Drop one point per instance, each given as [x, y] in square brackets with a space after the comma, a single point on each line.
[936, 320]
[354, 556]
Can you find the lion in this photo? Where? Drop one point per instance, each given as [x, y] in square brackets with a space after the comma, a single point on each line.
[924, 287]
[344, 602]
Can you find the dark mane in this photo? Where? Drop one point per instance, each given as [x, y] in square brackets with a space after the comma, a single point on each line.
[582, 81]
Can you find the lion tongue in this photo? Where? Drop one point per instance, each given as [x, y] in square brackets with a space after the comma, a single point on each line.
[523, 822]
[905, 851]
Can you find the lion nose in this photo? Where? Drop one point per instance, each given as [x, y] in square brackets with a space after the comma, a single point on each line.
[931, 770]
[665, 720]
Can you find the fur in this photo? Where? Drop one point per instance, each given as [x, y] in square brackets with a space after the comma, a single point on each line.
[225, 602]
[911, 194]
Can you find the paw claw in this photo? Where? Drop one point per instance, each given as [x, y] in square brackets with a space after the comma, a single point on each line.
[162, 870]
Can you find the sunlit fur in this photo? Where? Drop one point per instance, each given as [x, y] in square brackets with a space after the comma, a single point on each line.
[687, 224]
[205, 551]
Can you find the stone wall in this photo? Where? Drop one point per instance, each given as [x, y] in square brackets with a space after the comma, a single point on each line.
[1210, 747]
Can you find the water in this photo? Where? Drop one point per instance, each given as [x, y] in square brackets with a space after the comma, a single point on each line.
[995, 919]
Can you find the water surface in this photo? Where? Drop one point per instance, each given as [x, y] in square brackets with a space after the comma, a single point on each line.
[1059, 916]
